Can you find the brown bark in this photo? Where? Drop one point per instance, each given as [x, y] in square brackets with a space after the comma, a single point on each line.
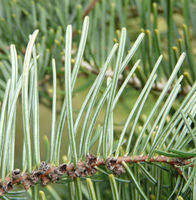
[47, 173]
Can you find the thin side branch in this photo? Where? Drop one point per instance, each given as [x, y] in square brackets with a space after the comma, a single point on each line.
[86, 13]
[90, 8]
[47, 173]
[134, 81]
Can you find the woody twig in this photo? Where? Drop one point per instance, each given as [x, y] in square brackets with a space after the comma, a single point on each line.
[47, 173]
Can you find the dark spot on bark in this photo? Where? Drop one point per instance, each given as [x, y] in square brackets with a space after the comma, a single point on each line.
[111, 164]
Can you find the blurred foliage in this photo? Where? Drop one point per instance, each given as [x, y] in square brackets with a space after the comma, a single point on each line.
[168, 24]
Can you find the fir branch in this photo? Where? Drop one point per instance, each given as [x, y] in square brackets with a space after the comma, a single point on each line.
[47, 174]
[134, 81]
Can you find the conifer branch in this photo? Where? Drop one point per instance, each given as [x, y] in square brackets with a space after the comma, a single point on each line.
[134, 81]
[47, 174]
